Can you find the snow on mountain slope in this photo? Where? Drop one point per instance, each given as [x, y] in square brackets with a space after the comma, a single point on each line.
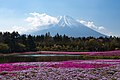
[70, 27]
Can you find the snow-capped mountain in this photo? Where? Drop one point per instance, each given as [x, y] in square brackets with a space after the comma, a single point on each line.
[70, 27]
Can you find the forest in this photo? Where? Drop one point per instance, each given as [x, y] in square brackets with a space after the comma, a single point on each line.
[14, 42]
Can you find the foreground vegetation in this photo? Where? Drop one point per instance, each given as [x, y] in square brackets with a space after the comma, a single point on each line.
[65, 70]
[14, 42]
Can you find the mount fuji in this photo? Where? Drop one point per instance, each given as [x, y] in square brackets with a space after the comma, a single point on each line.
[70, 27]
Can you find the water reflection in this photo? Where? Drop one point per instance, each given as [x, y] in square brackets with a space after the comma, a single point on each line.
[38, 58]
[38, 55]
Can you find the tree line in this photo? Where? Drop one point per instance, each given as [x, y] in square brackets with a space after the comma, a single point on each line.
[14, 42]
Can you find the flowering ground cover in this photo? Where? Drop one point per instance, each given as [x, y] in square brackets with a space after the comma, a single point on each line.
[64, 70]
[105, 53]
[13, 66]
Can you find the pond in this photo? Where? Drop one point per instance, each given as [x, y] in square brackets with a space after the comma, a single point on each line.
[38, 57]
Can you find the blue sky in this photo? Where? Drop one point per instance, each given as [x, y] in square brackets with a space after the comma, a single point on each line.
[104, 13]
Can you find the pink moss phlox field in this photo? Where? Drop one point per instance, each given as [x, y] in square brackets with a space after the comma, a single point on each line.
[84, 64]
[12, 67]
[105, 53]
[64, 70]
[62, 64]
[80, 65]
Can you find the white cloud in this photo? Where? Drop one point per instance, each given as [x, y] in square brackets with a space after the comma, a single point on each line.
[38, 19]
[101, 28]
[88, 24]
[20, 29]
[23, 29]
[35, 21]
[93, 26]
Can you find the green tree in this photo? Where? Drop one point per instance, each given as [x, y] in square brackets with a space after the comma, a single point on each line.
[31, 46]
[20, 47]
[3, 48]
